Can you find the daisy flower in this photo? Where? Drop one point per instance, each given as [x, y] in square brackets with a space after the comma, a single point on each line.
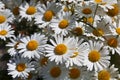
[109, 12]
[105, 4]
[28, 10]
[63, 24]
[113, 44]
[46, 13]
[79, 29]
[60, 49]
[40, 63]
[85, 10]
[13, 5]
[100, 30]
[110, 73]
[79, 54]
[32, 46]
[114, 11]
[78, 73]
[13, 45]
[98, 56]
[6, 31]
[6, 16]
[54, 72]
[19, 67]
[115, 27]
[105, 1]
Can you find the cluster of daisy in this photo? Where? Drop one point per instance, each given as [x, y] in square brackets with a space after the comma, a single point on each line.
[61, 39]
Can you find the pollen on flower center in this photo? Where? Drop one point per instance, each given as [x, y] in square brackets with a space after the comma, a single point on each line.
[63, 24]
[112, 42]
[90, 20]
[3, 32]
[103, 75]
[98, 32]
[66, 9]
[20, 67]
[74, 54]
[16, 11]
[113, 12]
[118, 31]
[55, 72]
[94, 56]
[48, 15]
[43, 61]
[2, 19]
[60, 49]
[32, 45]
[87, 11]
[78, 31]
[31, 10]
[98, 1]
[74, 73]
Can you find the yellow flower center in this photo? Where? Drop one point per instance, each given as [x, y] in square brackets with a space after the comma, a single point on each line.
[60, 49]
[3, 32]
[98, 1]
[77, 31]
[86, 11]
[2, 19]
[20, 67]
[31, 10]
[113, 12]
[55, 72]
[98, 32]
[112, 42]
[94, 56]
[74, 73]
[48, 15]
[103, 75]
[65, 9]
[63, 24]
[32, 45]
[90, 20]
[74, 54]
[16, 11]
[118, 31]
[43, 61]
